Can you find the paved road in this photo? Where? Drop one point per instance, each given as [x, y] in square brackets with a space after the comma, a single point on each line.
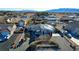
[63, 44]
[23, 47]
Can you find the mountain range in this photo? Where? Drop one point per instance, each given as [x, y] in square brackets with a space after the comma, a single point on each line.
[73, 10]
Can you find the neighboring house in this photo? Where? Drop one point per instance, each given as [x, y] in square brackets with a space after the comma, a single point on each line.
[71, 31]
[26, 20]
[2, 19]
[60, 15]
[6, 31]
[13, 20]
[52, 19]
[66, 19]
[21, 23]
[76, 18]
[24, 17]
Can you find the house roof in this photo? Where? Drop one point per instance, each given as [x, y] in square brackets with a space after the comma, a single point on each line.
[41, 27]
[73, 29]
[4, 27]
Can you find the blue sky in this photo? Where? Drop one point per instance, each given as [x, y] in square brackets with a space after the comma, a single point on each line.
[39, 5]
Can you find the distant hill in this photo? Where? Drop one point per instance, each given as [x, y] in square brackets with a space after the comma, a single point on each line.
[26, 11]
[17, 10]
[73, 10]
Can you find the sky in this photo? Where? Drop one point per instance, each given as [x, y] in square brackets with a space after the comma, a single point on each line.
[39, 5]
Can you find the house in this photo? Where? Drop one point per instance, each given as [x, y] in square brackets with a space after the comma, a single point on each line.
[52, 19]
[6, 31]
[66, 19]
[71, 31]
[2, 19]
[13, 19]
[38, 30]
[26, 19]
